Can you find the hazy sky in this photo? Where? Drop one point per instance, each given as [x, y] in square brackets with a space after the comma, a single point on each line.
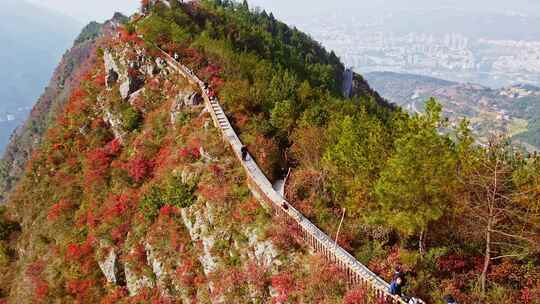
[87, 10]
[291, 8]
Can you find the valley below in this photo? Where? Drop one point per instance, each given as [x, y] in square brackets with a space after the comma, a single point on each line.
[513, 111]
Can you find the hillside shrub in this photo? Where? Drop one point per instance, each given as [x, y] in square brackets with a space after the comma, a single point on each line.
[173, 192]
[131, 118]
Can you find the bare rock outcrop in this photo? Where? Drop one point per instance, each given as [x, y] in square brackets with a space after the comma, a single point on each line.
[109, 263]
[186, 98]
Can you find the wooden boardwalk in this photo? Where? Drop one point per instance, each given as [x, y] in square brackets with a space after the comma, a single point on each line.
[357, 274]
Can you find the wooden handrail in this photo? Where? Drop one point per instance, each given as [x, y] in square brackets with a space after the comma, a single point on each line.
[357, 273]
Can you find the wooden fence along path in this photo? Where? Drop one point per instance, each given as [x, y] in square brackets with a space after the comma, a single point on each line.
[357, 274]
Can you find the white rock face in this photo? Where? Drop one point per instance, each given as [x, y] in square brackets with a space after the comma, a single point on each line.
[264, 252]
[110, 68]
[124, 87]
[120, 69]
[199, 230]
[108, 266]
[158, 269]
[157, 266]
[112, 120]
[116, 125]
[186, 98]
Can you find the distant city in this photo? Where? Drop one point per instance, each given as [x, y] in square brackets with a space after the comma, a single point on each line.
[369, 46]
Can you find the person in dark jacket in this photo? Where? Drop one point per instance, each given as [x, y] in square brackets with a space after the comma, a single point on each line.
[244, 152]
[395, 286]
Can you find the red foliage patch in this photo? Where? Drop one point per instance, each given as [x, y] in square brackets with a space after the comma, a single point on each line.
[355, 296]
[452, 263]
[246, 212]
[98, 162]
[154, 84]
[210, 71]
[192, 57]
[116, 206]
[57, 209]
[214, 193]
[168, 210]
[189, 154]
[140, 168]
[41, 287]
[137, 258]
[283, 235]
[80, 289]
[186, 272]
[120, 232]
[163, 157]
[127, 37]
[113, 147]
[284, 284]
[386, 267]
[217, 171]
[115, 296]
[530, 295]
[216, 83]
[255, 275]
[78, 252]
[240, 120]
[99, 80]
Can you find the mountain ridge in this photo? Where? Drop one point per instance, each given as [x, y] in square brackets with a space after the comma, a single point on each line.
[114, 101]
[133, 196]
[27, 137]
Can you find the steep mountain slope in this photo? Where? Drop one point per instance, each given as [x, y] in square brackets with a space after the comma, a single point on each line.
[66, 77]
[511, 110]
[134, 191]
[133, 196]
[32, 44]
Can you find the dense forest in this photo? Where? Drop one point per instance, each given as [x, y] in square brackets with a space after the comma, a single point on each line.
[456, 217]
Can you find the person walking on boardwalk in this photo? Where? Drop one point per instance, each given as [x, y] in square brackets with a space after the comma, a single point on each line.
[395, 286]
[244, 152]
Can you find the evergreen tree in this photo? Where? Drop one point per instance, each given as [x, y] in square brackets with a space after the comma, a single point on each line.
[353, 160]
[414, 189]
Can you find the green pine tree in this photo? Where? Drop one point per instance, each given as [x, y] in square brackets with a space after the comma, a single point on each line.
[414, 189]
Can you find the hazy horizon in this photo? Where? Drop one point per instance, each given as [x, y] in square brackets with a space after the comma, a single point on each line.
[87, 11]
[287, 9]
[352, 21]
[100, 10]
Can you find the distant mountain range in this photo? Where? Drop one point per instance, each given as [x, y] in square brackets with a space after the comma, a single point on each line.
[33, 40]
[514, 110]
